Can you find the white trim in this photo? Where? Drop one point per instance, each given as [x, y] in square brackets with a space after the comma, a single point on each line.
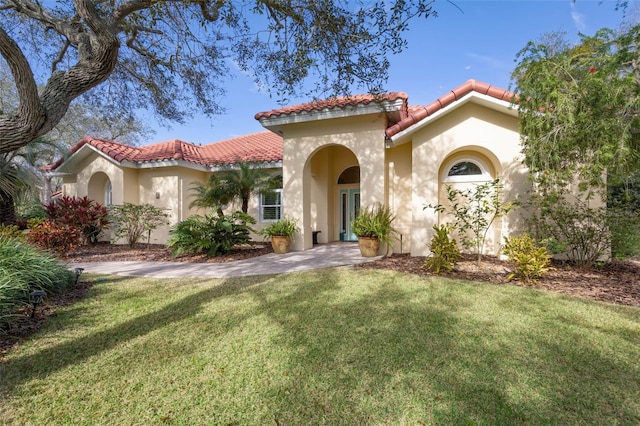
[277, 206]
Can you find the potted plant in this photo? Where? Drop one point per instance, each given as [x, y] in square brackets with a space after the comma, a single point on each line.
[281, 233]
[374, 225]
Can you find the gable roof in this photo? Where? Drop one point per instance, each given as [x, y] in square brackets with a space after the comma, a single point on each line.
[419, 113]
[258, 147]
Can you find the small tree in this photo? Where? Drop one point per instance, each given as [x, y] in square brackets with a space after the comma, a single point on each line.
[474, 211]
[236, 183]
[134, 220]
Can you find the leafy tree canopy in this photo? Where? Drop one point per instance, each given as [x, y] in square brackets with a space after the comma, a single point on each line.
[580, 106]
[175, 55]
[87, 115]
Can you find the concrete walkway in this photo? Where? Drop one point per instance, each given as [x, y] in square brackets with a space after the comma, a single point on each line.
[321, 256]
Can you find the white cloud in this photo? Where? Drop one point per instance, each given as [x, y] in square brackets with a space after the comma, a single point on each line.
[578, 18]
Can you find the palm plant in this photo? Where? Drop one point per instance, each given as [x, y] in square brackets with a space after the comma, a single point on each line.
[20, 176]
[234, 184]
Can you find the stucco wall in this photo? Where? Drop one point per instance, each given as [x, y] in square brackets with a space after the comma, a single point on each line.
[362, 135]
[399, 191]
[468, 129]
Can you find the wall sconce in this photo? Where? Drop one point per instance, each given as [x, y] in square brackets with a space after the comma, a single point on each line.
[36, 298]
[157, 195]
[78, 273]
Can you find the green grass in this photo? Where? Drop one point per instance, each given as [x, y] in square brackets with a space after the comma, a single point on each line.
[341, 346]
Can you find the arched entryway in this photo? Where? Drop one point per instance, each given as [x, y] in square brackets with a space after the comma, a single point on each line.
[99, 189]
[333, 201]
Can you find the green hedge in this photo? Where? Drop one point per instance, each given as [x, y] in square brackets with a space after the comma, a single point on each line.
[23, 269]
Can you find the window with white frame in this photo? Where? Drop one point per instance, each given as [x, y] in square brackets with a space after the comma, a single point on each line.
[108, 197]
[271, 205]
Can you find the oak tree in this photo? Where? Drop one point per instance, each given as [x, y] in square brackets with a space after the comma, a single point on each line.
[175, 55]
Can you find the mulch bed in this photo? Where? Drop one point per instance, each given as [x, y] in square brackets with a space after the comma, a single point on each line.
[616, 282]
[105, 252]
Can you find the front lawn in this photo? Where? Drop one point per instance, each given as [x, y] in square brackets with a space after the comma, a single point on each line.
[339, 346]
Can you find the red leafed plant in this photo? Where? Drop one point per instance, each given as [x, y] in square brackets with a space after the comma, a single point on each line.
[82, 213]
[55, 237]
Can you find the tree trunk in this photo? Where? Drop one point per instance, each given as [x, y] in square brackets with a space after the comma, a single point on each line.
[7, 210]
[38, 113]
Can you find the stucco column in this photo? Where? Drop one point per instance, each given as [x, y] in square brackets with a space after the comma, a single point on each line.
[295, 192]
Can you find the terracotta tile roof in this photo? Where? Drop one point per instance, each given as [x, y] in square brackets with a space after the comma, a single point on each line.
[333, 103]
[258, 147]
[263, 146]
[418, 113]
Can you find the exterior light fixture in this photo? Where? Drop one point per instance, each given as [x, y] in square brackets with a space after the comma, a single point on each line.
[36, 298]
[78, 273]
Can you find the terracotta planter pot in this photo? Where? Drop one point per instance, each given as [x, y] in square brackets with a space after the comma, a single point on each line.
[281, 244]
[368, 246]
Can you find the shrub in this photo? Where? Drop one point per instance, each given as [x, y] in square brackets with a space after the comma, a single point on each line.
[285, 227]
[625, 232]
[444, 250]
[212, 235]
[569, 225]
[11, 232]
[531, 260]
[23, 269]
[54, 237]
[135, 220]
[88, 216]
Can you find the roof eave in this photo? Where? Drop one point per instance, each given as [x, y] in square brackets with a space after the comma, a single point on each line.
[491, 102]
[276, 123]
[256, 164]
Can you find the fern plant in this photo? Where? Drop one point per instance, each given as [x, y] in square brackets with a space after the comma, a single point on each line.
[211, 235]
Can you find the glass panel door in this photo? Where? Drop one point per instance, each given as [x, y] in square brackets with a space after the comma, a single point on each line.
[349, 210]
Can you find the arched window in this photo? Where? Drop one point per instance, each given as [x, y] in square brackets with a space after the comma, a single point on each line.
[466, 170]
[349, 175]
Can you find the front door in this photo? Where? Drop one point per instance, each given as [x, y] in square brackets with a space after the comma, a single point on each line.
[349, 210]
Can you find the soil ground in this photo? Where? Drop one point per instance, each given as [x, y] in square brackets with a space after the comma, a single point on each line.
[617, 282]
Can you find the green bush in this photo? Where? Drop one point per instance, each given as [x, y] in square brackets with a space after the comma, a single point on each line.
[444, 250]
[55, 237]
[212, 235]
[11, 232]
[24, 268]
[569, 226]
[625, 233]
[531, 260]
[285, 227]
[133, 221]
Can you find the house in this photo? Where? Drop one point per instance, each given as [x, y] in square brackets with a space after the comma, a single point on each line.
[336, 157]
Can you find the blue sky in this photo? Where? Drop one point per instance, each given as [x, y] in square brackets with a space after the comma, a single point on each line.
[476, 40]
